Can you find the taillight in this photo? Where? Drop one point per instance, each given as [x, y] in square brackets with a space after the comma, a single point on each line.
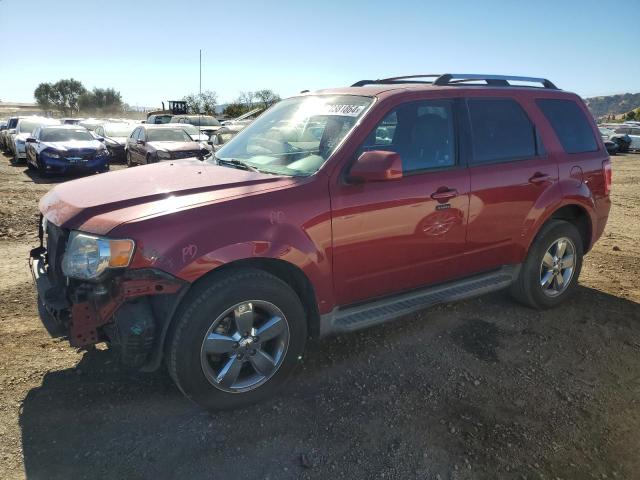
[606, 170]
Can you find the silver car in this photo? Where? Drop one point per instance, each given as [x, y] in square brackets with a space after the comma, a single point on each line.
[634, 134]
[24, 127]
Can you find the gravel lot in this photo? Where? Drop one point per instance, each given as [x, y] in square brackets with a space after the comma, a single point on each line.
[480, 389]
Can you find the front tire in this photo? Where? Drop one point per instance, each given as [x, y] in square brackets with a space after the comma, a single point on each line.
[129, 162]
[237, 338]
[550, 272]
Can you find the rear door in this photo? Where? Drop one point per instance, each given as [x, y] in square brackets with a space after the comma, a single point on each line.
[510, 172]
[391, 236]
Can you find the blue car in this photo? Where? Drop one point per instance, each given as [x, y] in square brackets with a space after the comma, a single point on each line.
[65, 149]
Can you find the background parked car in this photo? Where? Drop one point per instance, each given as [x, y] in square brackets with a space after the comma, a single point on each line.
[224, 134]
[634, 134]
[23, 130]
[612, 147]
[65, 148]
[5, 135]
[153, 143]
[622, 140]
[91, 123]
[159, 119]
[115, 138]
[194, 132]
[71, 121]
[197, 120]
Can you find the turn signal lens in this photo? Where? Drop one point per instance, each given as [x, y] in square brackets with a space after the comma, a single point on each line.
[121, 253]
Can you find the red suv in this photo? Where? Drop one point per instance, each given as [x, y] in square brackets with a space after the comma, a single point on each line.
[335, 210]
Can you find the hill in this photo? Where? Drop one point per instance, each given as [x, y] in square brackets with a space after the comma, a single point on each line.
[613, 104]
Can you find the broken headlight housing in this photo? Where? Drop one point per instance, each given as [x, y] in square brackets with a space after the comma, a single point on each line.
[88, 256]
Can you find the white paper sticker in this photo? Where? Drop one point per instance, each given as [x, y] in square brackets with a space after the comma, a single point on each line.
[343, 110]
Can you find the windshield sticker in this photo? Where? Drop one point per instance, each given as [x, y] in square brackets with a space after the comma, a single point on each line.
[344, 110]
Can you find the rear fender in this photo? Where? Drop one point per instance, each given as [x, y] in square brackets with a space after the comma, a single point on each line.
[572, 192]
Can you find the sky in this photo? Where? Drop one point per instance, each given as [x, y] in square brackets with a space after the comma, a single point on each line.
[148, 49]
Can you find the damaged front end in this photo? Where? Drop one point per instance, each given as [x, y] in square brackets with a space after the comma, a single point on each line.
[128, 308]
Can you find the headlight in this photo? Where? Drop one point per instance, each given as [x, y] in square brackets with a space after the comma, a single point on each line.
[52, 154]
[163, 155]
[87, 256]
[102, 153]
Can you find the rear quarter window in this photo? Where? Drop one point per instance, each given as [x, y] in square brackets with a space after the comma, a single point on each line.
[501, 130]
[570, 124]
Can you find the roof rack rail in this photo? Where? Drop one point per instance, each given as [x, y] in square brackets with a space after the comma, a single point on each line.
[492, 80]
[457, 79]
[396, 80]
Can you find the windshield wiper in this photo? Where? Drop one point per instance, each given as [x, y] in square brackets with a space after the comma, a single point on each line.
[236, 163]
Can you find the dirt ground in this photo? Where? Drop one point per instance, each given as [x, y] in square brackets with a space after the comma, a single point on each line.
[479, 389]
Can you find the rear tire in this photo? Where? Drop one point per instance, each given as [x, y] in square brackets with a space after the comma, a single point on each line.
[546, 278]
[240, 308]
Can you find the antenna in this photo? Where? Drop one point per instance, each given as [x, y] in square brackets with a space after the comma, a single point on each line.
[200, 99]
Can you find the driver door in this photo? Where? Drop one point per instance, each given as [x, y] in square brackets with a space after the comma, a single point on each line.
[395, 235]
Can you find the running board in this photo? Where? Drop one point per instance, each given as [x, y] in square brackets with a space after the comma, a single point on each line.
[348, 319]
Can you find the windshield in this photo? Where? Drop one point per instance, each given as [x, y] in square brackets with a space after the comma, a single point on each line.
[168, 135]
[28, 126]
[298, 135]
[65, 134]
[118, 130]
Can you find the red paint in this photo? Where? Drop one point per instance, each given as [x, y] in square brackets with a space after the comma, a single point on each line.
[353, 240]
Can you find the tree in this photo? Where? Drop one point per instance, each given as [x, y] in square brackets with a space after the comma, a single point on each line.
[202, 103]
[267, 97]
[44, 96]
[248, 101]
[235, 110]
[630, 115]
[62, 95]
[101, 100]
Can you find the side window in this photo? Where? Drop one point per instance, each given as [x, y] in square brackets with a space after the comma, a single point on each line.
[635, 131]
[501, 130]
[570, 125]
[421, 132]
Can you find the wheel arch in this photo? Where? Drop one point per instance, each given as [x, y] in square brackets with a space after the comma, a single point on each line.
[575, 214]
[283, 270]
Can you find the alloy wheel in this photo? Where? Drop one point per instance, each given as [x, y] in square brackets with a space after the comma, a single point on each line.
[245, 346]
[557, 267]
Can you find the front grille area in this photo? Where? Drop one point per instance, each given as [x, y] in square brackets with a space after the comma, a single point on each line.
[56, 241]
[187, 154]
[85, 154]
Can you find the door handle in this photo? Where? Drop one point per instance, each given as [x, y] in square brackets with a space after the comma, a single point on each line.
[444, 194]
[539, 178]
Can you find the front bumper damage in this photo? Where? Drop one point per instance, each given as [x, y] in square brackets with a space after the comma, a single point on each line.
[131, 309]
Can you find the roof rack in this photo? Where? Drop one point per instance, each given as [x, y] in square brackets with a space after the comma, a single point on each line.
[397, 80]
[459, 78]
[493, 80]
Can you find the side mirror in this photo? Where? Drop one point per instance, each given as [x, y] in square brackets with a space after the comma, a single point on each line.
[376, 166]
[140, 142]
[100, 139]
[30, 140]
[12, 131]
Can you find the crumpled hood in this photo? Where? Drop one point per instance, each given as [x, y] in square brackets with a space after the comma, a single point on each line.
[74, 145]
[99, 203]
